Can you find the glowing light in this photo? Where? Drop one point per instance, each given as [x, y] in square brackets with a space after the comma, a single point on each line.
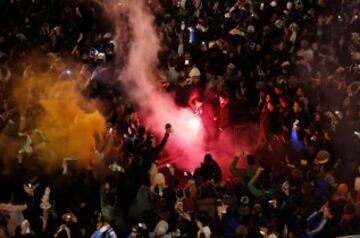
[298, 145]
[357, 134]
[195, 123]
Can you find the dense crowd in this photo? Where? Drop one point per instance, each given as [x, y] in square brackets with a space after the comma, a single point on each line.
[292, 67]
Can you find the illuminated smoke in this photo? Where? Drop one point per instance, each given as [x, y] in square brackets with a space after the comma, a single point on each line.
[139, 79]
[66, 125]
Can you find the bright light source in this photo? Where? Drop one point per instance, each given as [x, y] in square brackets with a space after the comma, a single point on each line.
[195, 123]
[273, 3]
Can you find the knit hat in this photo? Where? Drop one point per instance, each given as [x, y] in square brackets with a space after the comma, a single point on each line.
[195, 72]
[322, 157]
[342, 189]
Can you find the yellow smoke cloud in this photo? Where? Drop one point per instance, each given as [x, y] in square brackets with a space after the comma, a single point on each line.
[68, 121]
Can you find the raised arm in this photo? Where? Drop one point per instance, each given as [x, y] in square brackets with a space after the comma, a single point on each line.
[251, 184]
[163, 142]
[234, 170]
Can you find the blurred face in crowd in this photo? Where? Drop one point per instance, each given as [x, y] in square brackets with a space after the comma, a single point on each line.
[268, 98]
[283, 103]
[223, 101]
[300, 92]
[296, 107]
[270, 106]
[304, 45]
[277, 90]
[230, 70]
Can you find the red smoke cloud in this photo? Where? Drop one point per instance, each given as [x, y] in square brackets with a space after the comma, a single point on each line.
[186, 147]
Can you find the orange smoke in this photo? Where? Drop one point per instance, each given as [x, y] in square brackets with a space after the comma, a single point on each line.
[68, 122]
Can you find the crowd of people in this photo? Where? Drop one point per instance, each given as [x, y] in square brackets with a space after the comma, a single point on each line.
[292, 67]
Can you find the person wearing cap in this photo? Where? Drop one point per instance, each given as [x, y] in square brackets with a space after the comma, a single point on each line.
[322, 157]
[323, 183]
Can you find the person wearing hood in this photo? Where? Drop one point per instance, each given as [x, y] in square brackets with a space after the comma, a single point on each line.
[209, 169]
[149, 153]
